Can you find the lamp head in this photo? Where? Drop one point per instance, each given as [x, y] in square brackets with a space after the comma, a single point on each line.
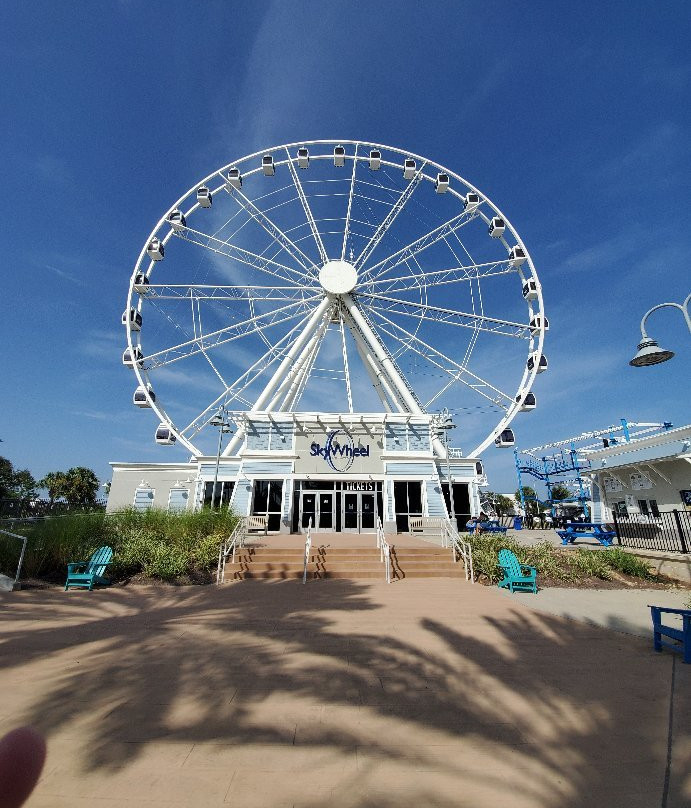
[650, 353]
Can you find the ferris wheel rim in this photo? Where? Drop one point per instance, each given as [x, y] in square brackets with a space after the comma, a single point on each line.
[535, 345]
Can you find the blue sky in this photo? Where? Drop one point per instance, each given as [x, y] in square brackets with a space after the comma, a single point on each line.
[572, 118]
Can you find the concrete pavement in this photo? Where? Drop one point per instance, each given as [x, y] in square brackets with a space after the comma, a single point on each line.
[341, 693]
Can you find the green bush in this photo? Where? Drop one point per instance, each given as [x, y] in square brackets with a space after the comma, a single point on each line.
[156, 543]
[627, 563]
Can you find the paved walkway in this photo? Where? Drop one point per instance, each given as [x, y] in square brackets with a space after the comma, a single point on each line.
[617, 609]
[340, 693]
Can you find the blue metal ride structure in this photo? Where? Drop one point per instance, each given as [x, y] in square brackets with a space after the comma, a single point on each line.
[565, 466]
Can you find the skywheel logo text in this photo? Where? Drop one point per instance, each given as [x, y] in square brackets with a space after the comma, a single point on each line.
[339, 454]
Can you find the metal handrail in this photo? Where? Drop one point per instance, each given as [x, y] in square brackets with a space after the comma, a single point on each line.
[308, 547]
[384, 551]
[459, 548]
[230, 545]
[24, 540]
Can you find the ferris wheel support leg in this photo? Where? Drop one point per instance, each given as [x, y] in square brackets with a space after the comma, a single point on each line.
[386, 366]
[295, 394]
[281, 371]
[290, 357]
[301, 368]
[379, 382]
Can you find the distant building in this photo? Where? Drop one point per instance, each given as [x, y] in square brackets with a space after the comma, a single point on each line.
[643, 476]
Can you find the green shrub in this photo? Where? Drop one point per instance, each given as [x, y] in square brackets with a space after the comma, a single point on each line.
[627, 563]
[156, 543]
[590, 563]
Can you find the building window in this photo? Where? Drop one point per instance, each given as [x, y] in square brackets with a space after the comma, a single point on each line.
[268, 500]
[620, 508]
[612, 484]
[407, 502]
[143, 499]
[639, 482]
[224, 491]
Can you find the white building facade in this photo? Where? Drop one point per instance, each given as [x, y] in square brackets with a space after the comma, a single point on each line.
[337, 472]
[642, 477]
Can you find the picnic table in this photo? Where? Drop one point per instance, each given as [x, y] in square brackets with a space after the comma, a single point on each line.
[593, 530]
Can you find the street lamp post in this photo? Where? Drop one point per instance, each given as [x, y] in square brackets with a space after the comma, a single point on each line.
[221, 421]
[649, 352]
[444, 424]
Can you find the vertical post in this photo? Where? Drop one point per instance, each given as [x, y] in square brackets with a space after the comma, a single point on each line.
[625, 427]
[616, 525]
[520, 486]
[21, 560]
[218, 460]
[682, 537]
[448, 476]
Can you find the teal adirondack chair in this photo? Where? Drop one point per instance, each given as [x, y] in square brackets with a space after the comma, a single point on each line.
[516, 575]
[87, 573]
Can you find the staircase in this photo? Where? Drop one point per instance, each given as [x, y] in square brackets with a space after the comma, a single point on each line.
[356, 563]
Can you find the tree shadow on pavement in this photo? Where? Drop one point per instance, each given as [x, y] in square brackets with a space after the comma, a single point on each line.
[341, 692]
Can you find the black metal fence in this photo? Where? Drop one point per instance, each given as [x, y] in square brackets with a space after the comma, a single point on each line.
[669, 531]
[25, 508]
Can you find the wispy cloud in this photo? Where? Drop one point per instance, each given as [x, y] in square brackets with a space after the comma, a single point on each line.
[62, 274]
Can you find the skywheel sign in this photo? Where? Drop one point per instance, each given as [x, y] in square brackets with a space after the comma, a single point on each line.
[339, 451]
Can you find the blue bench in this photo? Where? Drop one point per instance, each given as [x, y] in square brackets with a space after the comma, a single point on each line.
[680, 636]
[592, 530]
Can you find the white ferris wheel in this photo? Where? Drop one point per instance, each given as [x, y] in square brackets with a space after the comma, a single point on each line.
[334, 276]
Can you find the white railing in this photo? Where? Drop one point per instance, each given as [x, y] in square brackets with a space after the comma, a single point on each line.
[384, 551]
[459, 549]
[235, 540]
[308, 547]
[24, 540]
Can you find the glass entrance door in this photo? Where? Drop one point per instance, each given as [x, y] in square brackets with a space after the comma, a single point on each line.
[350, 512]
[309, 509]
[367, 513]
[326, 511]
[359, 512]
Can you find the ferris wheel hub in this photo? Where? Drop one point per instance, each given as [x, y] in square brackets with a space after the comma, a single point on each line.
[338, 277]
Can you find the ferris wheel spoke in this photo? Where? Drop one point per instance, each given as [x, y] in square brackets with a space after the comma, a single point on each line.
[221, 293]
[460, 274]
[389, 219]
[304, 261]
[420, 244]
[234, 391]
[463, 319]
[346, 227]
[251, 259]
[308, 211]
[228, 334]
[440, 360]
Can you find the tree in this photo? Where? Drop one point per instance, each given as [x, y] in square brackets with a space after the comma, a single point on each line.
[54, 483]
[24, 484]
[560, 491]
[530, 497]
[80, 486]
[15, 483]
[6, 475]
[504, 505]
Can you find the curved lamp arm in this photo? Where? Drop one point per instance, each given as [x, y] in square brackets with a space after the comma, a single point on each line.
[683, 307]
